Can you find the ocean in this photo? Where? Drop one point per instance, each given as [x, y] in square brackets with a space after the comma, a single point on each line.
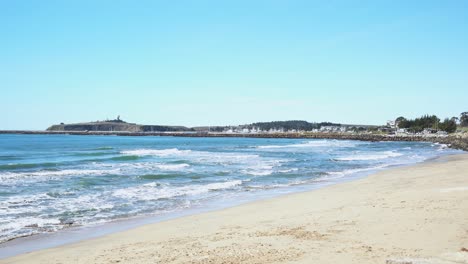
[52, 182]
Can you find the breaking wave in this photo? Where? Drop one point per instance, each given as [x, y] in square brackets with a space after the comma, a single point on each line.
[47, 174]
[371, 156]
[315, 144]
[156, 152]
[153, 191]
[53, 187]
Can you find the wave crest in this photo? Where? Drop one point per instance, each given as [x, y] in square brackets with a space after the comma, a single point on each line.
[314, 144]
[155, 152]
[371, 156]
[153, 191]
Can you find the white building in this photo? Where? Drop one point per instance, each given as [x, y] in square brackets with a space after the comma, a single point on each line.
[391, 123]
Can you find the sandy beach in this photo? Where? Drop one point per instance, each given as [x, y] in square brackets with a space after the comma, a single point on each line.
[416, 214]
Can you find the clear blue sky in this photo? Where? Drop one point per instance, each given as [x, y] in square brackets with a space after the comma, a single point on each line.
[231, 62]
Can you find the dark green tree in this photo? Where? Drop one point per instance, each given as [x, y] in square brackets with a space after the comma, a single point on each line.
[449, 125]
[464, 119]
[401, 122]
[419, 124]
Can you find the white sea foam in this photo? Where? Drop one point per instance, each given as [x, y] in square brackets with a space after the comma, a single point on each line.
[196, 156]
[315, 144]
[172, 167]
[130, 167]
[371, 156]
[16, 204]
[252, 164]
[9, 178]
[279, 185]
[190, 179]
[153, 191]
[37, 213]
[156, 152]
[27, 222]
[27, 226]
[225, 158]
[68, 172]
[339, 174]
[258, 172]
[288, 170]
[440, 146]
[36, 203]
[265, 167]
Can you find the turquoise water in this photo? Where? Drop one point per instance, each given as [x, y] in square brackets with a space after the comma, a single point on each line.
[50, 182]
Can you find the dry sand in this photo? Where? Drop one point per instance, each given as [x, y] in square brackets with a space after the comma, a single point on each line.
[416, 214]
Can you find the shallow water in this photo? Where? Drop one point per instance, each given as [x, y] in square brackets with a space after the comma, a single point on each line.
[50, 182]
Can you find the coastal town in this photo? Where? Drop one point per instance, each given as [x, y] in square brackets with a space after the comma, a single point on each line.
[428, 125]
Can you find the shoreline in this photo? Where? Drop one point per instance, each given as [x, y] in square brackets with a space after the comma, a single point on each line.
[453, 141]
[267, 221]
[74, 234]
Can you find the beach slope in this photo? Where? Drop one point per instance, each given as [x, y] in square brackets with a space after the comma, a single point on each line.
[416, 214]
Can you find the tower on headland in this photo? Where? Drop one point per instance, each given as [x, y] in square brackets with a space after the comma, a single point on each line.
[117, 120]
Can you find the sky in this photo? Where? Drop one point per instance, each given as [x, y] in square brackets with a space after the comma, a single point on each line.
[231, 62]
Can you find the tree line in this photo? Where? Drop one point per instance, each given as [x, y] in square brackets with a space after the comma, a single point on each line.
[416, 125]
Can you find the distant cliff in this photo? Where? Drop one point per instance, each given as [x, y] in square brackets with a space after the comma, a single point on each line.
[116, 126]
